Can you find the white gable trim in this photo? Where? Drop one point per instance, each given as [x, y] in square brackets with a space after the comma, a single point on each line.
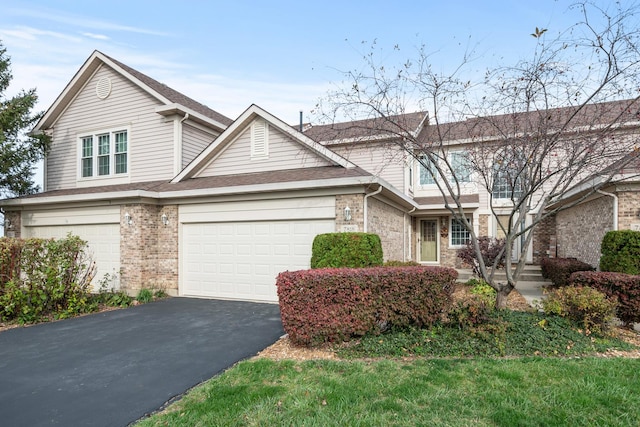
[88, 69]
[239, 125]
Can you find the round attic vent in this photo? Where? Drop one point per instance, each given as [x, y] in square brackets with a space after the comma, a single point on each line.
[103, 87]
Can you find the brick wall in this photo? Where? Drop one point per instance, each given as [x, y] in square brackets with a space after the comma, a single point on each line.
[149, 249]
[628, 209]
[355, 203]
[579, 230]
[388, 222]
[544, 240]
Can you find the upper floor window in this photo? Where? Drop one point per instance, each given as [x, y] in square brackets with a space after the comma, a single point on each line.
[104, 154]
[507, 175]
[427, 170]
[459, 164]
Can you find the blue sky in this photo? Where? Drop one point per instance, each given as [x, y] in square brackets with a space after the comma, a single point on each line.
[281, 55]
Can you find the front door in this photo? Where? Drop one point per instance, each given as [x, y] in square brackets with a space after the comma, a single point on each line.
[429, 240]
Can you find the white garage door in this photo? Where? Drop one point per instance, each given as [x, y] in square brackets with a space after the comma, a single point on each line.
[103, 243]
[240, 260]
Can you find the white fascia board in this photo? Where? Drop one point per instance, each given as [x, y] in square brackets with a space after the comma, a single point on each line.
[243, 120]
[116, 195]
[269, 187]
[80, 77]
[173, 108]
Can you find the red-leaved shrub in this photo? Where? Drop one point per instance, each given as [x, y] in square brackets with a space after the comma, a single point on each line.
[558, 270]
[623, 287]
[328, 305]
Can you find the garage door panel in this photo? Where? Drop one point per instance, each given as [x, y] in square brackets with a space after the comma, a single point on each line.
[250, 256]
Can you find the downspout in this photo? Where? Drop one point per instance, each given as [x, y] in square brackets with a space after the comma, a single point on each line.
[404, 235]
[615, 207]
[365, 210]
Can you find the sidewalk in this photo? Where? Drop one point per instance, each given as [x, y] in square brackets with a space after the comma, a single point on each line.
[531, 291]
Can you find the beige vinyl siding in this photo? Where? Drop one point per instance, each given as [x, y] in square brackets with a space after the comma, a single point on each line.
[150, 137]
[194, 140]
[383, 160]
[284, 153]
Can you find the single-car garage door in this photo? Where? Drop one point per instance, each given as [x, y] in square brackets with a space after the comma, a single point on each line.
[103, 244]
[240, 260]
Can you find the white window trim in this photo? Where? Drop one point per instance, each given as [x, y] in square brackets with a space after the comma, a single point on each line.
[451, 245]
[112, 148]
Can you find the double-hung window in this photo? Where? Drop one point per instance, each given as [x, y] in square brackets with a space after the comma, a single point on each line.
[460, 168]
[507, 175]
[427, 171]
[104, 154]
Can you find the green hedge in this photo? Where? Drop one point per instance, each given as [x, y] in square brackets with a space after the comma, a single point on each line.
[44, 277]
[621, 252]
[353, 250]
[326, 305]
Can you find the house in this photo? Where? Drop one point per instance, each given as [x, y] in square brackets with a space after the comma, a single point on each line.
[172, 195]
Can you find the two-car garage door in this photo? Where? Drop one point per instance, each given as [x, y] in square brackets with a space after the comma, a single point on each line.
[238, 253]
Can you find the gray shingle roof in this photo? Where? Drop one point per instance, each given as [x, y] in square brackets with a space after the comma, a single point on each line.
[174, 95]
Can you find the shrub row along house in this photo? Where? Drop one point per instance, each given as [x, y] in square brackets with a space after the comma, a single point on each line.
[170, 194]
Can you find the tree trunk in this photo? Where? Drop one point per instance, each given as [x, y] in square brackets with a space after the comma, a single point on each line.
[503, 292]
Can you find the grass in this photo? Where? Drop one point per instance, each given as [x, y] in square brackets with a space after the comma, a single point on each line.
[452, 386]
[434, 392]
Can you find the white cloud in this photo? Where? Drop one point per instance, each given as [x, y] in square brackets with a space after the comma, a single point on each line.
[81, 21]
[96, 36]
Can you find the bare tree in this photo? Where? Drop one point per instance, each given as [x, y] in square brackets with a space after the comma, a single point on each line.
[532, 131]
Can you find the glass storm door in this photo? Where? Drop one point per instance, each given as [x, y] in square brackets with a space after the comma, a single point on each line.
[429, 240]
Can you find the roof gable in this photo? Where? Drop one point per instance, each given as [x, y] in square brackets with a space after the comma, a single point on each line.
[173, 100]
[241, 126]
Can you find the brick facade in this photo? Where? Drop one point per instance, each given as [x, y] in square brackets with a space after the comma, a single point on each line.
[388, 222]
[355, 202]
[149, 249]
[628, 209]
[580, 229]
[544, 240]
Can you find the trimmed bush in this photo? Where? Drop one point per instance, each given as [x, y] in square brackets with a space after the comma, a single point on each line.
[353, 250]
[558, 270]
[489, 247]
[328, 305]
[621, 252]
[624, 288]
[44, 278]
[584, 305]
[395, 263]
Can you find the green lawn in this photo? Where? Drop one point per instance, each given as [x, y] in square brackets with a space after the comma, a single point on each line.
[476, 375]
[430, 392]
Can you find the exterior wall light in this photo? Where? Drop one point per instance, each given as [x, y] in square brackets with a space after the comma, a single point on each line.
[347, 213]
[7, 223]
[165, 219]
[127, 218]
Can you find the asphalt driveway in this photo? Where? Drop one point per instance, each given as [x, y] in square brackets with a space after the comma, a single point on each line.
[112, 368]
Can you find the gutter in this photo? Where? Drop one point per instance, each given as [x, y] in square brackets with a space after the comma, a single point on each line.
[615, 207]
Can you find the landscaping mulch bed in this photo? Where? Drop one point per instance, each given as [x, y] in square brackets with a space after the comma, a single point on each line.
[284, 350]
